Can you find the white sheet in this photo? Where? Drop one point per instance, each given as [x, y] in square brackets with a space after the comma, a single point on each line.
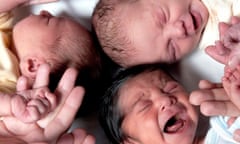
[198, 66]
[81, 10]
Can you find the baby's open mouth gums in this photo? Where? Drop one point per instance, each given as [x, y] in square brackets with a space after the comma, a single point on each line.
[173, 125]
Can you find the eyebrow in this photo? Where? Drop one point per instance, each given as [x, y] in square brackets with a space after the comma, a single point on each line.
[135, 103]
[161, 15]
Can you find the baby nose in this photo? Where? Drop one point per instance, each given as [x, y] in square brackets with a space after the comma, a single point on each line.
[167, 101]
[45, 13]
[177, 30]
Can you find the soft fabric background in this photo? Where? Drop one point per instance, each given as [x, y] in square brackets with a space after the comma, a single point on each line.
[193, 68]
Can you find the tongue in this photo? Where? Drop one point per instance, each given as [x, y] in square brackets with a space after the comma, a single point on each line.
[175, 127]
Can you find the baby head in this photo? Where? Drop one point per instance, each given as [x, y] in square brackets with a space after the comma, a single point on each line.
[145, 105]
[60, 42]
[149, 31]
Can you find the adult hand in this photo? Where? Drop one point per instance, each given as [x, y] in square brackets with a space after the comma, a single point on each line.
[213, 100]
[78, 136]
[55, 123]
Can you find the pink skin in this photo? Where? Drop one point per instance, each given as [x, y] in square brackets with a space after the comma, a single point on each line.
[38, 32]
[214, 101]
[231, 83]
[52, 127]
[217, 100]
[44, 36]
[148, 102]
[226, 50]
[160, 30]
[28, 105]
[32, 105]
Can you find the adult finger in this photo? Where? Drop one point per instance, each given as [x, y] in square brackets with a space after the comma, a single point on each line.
[66, 113]
[78, 136]
[42, 77]
[214, 108]
[205, 84]
[62, 92]
[82, 137]
[199, 96]
[11, 140]
[89, 140]
[22, 84]
[66, 83]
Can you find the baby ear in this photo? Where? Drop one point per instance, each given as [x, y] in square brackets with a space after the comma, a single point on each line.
[30, 65]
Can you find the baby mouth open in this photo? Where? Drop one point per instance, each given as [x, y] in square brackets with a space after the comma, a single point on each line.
[174, 125]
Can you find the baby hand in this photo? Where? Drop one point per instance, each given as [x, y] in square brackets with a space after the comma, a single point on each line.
[231, 38]
[30, 106]
[227, 47]
[218, 52]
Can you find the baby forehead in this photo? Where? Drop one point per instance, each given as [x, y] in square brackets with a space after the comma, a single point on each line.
[155, 77]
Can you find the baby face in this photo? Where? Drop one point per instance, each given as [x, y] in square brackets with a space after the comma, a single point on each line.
[37, 36]
[162, 30]
[156, 110]
[37, 33]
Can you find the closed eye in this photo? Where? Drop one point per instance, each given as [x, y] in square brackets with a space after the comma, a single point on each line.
[144, 105]
[170, 87]
[160, 17]
[172, 50]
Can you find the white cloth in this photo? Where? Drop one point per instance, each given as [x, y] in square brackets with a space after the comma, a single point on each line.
[219, 11]
[220, 133]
